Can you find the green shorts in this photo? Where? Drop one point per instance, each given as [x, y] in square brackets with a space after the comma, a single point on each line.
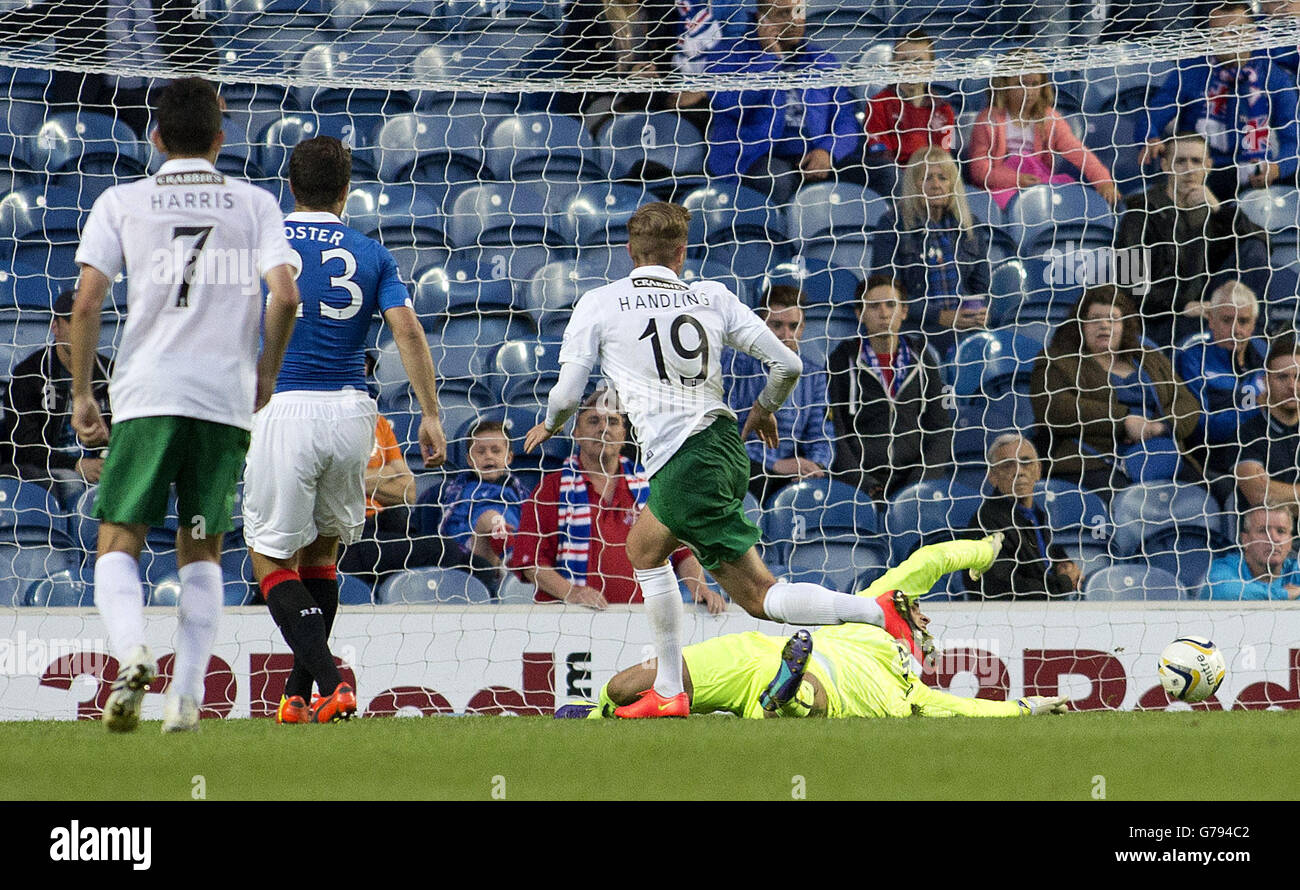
[147, 454]
[700, 495]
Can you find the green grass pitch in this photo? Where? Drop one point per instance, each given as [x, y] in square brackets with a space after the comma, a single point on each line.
[1234, 755]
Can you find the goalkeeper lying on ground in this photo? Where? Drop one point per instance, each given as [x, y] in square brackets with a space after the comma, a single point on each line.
[848, 670]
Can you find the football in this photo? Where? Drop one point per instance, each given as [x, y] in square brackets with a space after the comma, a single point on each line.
[1191, 669]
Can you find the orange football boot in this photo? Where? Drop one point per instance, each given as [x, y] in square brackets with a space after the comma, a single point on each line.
[652, 704]
[341, 704]
[292, 710]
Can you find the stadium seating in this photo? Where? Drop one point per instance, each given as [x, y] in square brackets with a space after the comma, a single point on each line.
[551, 291]
[594, 214]
[354, 592]
[515, 592]
[1277, 211]
[408, 220]
[529, 147]
[20, 563]
[819, 530]
[1131, 581]
[1042, 217]
[926, 513]
[735, 228]
[30, 515]
[40, 227]
[524, 370]
[1170, 526]
[1079, 521]
[438, 293]
[660, 149]
[87, 152]
[60, 589]
[422, 147]
[353, 57]
[432, 585]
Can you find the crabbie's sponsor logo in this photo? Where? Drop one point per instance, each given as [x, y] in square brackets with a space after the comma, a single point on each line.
[90, 843]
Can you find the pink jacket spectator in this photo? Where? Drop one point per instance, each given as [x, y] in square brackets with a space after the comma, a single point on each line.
[989, 164]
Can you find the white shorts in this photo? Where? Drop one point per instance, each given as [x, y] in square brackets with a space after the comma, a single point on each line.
[306, 470]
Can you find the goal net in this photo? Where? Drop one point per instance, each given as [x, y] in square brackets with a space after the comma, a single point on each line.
[954, 198]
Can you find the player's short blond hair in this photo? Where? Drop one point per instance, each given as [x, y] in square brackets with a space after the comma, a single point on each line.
[657, 231]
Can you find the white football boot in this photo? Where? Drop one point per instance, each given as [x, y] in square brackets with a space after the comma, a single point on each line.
[180, 714]
[122, 710]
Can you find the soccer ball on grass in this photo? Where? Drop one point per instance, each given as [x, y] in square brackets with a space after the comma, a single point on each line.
[1191, 669]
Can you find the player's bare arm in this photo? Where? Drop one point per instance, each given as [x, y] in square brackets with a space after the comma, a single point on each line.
[281, 312]
[413, 348]
[561, 402]
[86, 419]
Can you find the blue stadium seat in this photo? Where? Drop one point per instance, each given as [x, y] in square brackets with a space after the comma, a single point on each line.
[606, 263]
[40, 228]
[357, 132]
[20, 564]
[735, 227]
[1277, 211]
[1033, 290]
[432, 585]
[409, 220]
[697, 270]
[1147, 516]
[1124, 87]
[1131, 581]
[519, 419]
[1080, 523]
[659, 148]
[362, 57]
[63, 588]
[440, 293]
[1047, 216]
[164, 589]
[88, 151]
[596, 213]
[928, 512]
[822, 530]
[993, 362]
[421, 147]
[383, 15]
[501, 215]
[551, 291]
[238, 154]
[16, 169]
[524, 370]
[276, 142]
[823, 285]
[825, 210]
[23, 287]
[535, 146]
[354, 592]
[461, 344]
[454, 65]
[1114, 137]
[30, 515]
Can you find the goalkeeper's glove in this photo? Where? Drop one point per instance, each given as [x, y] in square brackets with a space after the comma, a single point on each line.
[995, 540]
[1037, 705]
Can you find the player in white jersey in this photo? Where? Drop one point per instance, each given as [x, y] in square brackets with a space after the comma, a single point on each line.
[304, 486]
[658, 340]
[195, 246]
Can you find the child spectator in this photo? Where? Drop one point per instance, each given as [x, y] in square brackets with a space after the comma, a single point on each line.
[480, 506]
[1016, 142]
[905, 118]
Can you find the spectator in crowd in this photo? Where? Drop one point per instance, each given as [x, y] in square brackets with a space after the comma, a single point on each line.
[905, 118]
[1113, 409]
[1017, 140]
[37, 433]
[1223, 367]
[480, 506]
[161, 33]
[572, 538]
[1267, 465]
[1029, 565]
[1238, 102]
[387, 544]
[892, 426]
[934, 248]
[1187, 239]
[775, 139]
[1265, 567]
[803, 422]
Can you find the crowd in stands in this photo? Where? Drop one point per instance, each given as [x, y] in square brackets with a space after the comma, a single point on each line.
[1169, 379]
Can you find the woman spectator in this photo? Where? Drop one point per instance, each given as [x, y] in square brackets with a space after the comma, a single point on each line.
[933, 248]
[573, 531]
[1114, 410]
[1016, 141]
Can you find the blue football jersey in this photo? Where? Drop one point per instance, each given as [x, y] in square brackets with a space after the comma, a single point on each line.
[345, 278]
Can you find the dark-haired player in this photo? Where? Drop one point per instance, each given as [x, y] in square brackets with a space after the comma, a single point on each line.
[194, 245]
[304, 486]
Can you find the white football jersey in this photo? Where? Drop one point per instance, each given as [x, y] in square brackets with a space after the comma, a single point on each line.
[658, 340]
[194, 245]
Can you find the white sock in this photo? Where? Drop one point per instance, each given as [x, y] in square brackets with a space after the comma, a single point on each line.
[663, 606]
[119, 597]
[805, 603]
[200, 612]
